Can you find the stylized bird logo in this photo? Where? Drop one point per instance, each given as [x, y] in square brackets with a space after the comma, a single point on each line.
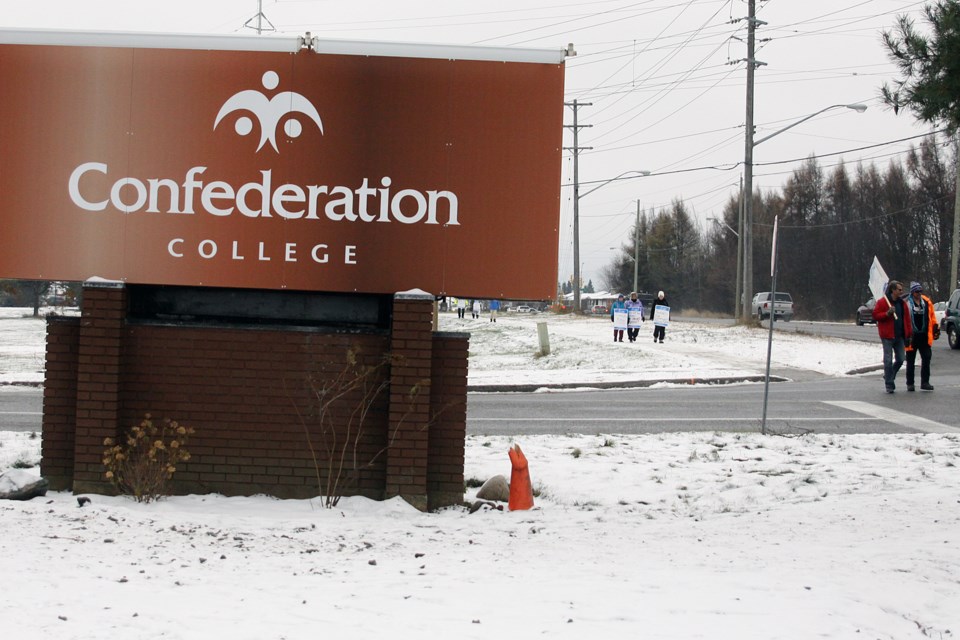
[269, 111]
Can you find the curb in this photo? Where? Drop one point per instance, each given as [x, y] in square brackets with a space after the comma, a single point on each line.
[870, 369]
[624, 384]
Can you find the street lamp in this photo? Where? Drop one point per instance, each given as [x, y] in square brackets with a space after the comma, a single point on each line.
[859, 108]
[576, 228]
[719, 222]
[747, 222]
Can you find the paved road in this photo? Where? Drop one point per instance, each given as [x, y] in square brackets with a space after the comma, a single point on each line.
[812, 402]
[21, 408]
[826, 405]
[847, 331]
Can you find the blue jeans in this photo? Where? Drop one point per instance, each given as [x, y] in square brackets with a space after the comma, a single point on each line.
[892, 349]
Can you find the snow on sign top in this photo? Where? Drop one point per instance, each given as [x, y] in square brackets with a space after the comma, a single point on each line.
[222, 42]
[224, 161]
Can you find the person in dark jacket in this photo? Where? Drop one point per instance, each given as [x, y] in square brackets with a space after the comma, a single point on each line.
[924, 320]
[895, 326]
[661, 331]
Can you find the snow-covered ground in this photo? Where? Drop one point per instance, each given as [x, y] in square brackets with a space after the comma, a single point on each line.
[662, 536]
[582, 351]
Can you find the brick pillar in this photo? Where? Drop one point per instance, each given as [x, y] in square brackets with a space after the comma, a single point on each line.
[411, 346]
[60, 402]
[448, 424]
[98, 381]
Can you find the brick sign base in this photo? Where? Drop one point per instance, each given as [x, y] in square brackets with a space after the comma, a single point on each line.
[252, 393]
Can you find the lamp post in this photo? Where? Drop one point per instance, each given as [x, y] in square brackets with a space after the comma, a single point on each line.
[576, 228]
[636, 249]
[747, 227]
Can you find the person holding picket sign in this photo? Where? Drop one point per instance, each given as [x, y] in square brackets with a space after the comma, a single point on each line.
[660, 314]
[634, 316]
[618, 316]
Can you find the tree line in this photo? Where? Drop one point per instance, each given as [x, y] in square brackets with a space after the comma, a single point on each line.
[832, 222]
[38, 293]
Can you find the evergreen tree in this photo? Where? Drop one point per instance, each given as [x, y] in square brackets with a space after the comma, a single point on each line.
[930, 84]
[930, 65]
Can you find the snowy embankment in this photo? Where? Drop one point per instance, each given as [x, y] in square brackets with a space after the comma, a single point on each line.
[672, 536]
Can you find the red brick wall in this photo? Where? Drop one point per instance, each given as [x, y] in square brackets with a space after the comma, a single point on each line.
[253, 395]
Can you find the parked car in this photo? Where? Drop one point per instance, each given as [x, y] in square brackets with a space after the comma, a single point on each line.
[951, 320]
[940, 309]
[599, 310]
[865, 313]
[525, 309]
[782, 308]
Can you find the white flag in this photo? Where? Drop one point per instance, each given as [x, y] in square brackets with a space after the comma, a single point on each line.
[878, 280]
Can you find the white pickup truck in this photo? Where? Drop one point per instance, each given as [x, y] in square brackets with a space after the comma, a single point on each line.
[782, 307]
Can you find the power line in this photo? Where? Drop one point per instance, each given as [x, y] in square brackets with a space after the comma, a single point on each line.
[734, 165]
[837, 153]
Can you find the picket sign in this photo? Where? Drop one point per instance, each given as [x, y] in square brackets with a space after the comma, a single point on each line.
[620, 319]
[661, 315]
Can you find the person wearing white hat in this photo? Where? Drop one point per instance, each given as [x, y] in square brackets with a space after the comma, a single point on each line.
[659, 331]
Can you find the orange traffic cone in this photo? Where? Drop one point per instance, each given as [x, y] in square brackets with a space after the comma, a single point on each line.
[521, 493]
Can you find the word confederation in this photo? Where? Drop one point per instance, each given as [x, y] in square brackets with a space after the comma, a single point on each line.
[290, 201]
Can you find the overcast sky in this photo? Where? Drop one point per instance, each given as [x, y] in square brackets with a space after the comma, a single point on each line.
[665, 78]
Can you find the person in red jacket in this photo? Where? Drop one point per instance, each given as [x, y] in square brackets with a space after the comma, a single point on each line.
[895, 326]
[924, 321]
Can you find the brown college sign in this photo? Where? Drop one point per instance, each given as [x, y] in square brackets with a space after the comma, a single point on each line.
[317, 166]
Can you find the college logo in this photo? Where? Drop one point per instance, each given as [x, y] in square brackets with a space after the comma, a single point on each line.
[264, 195]
[269, 111]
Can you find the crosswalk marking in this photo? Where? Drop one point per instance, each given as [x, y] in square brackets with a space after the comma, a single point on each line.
[896, 417]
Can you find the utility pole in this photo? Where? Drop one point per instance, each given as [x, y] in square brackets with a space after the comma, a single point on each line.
[738, 287]
[576, 148]
[954, 283]
[636, 248]
[747, 234]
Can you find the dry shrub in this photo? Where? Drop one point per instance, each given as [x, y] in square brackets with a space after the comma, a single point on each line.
[144, 463]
